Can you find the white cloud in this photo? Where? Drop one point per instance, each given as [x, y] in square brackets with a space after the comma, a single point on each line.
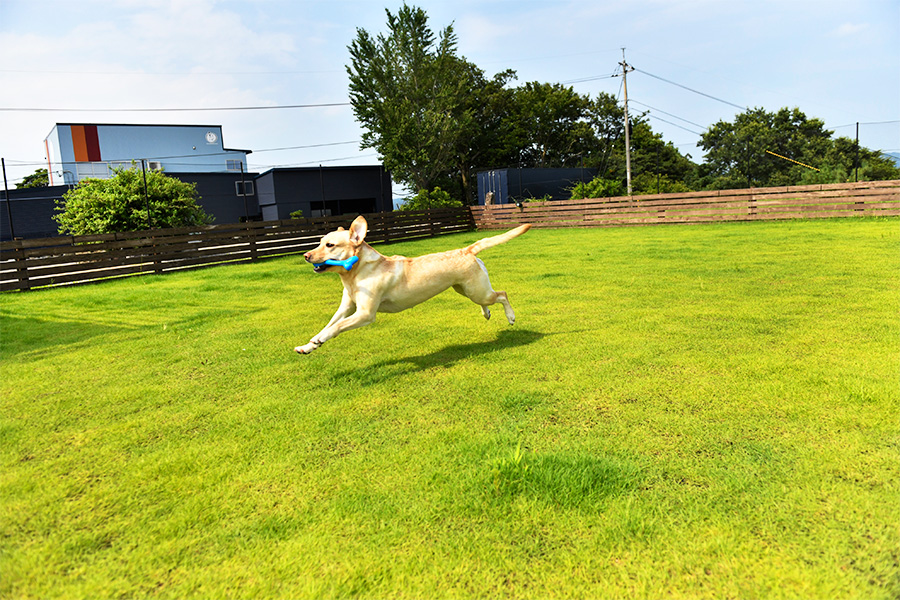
[850, 29]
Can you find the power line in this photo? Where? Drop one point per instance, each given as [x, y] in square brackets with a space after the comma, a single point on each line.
[691, 89]
[670, 114]
[586, 79]
[167, 73]
[210, 109]
[650, 114]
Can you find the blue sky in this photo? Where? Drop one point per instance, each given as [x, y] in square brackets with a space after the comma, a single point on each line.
[835, 60]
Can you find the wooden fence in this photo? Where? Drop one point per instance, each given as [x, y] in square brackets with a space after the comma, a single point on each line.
[26, 264]
[875, 198]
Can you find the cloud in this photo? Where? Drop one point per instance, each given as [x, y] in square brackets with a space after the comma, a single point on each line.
[850, 29]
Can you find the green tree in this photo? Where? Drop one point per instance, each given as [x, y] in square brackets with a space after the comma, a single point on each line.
[484, 115]
[651, 157]
[650, 183]
[550, 126]
[743, 153]
[597, 188]
[844, 162]
[436, 198]
[409, 90]
[116, 204]
[37, 179]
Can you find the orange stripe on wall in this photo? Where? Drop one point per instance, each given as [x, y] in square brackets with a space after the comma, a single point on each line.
[79, 144]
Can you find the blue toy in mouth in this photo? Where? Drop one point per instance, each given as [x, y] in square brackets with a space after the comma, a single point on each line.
[347, 264]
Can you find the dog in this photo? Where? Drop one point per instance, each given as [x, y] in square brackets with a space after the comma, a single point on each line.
[374, 283]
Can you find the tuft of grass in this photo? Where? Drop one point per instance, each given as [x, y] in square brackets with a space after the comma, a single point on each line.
[690, 412]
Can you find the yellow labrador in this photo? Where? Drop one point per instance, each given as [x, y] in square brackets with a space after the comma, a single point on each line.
[375, 283]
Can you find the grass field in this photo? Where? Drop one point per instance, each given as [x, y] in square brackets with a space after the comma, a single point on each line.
[701, 411]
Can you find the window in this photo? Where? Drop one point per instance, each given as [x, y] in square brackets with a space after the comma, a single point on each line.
[96, 170]
[243, 188]
[233, 165]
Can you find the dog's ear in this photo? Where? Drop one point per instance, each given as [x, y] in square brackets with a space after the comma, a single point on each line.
[358, 230]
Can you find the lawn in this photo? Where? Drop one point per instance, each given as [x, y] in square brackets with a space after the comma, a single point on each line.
[704, 411]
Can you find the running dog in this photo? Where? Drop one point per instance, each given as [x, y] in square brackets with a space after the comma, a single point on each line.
[374, 283]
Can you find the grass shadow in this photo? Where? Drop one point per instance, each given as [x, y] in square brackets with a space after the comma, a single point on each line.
[445, 357]
[33, 335]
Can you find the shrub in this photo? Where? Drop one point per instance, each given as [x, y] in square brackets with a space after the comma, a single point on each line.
[646, 183]
[597, 188]
[436, 198]
[119, 203]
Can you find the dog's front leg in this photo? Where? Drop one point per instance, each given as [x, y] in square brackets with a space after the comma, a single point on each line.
[364, 315]
[344, 310]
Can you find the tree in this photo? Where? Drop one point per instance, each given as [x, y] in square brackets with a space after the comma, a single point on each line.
[651, 157]
[551, 126]
[37, 179]
[597, 188]
[486, 108]
[436, 198]
[409, 90]
[116, 204]
[762, 148]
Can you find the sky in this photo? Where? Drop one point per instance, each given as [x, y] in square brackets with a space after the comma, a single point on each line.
[696, 62]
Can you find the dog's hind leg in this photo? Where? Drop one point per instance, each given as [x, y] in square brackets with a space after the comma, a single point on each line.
[478, 289]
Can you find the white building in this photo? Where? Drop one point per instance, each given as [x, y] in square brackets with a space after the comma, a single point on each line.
[76, 151]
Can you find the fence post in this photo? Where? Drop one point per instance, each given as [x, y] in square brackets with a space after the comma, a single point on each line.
[252, 233]
[21, 269]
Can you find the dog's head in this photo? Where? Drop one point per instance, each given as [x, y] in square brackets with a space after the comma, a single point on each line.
[338, 245]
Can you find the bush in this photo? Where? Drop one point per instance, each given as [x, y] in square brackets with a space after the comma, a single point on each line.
[646, 183]
[597, 188]
[436, 198]
[116, 204]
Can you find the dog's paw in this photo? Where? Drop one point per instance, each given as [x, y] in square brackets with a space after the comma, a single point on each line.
[306, 349]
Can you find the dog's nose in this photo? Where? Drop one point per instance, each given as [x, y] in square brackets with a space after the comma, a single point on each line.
[306, 256]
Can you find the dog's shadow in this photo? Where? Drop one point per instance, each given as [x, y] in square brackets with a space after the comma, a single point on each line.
[445, 357]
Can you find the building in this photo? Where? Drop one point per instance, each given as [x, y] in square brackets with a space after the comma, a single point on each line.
[32, 209]
[508, 186]
[194, 154]
[323, 191]
[76, 151]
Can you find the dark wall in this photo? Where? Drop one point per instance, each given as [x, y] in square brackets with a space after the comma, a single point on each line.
[510, 185]
[324, 191]
[219, 195]
[32, 212]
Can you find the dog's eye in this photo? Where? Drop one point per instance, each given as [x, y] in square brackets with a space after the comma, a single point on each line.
[329, 245]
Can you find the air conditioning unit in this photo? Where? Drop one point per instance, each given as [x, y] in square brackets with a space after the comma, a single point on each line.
[154, 165]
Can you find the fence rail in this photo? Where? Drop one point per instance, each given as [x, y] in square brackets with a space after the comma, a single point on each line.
[874, 198]
[26, 264]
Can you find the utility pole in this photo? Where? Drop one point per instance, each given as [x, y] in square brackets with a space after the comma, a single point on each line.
[146, 194]
[12, 232]
[625, 69]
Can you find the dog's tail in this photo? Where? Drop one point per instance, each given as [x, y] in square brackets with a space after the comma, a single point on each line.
[497, 239]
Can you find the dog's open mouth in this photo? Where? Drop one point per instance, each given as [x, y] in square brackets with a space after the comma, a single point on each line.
[320, 268]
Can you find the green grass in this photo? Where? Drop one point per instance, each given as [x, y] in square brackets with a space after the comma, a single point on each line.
[681, 411]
